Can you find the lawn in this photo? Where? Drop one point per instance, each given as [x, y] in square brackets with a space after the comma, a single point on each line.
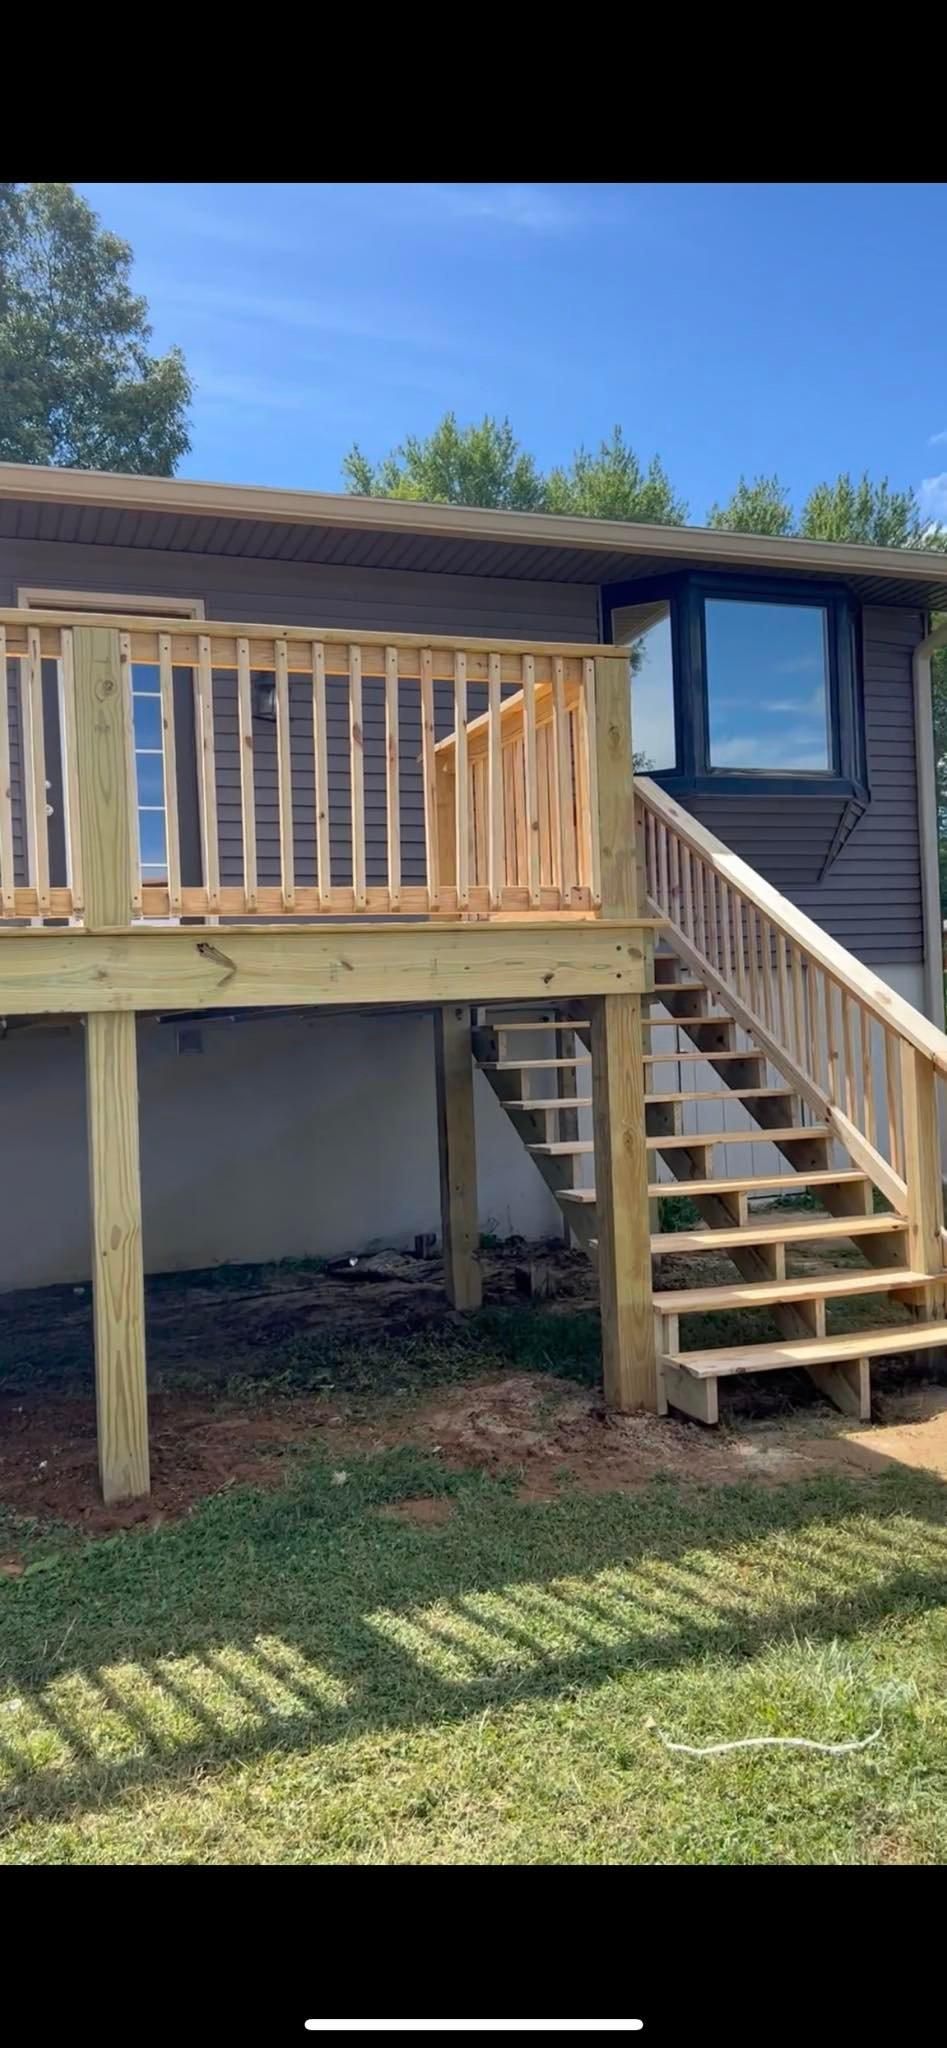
[295, 1675]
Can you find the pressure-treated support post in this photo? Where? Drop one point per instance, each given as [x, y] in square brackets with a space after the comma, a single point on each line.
[922, 1167]
[118, 1292]
[453, 1069]
[105, 823]
[618, 1112]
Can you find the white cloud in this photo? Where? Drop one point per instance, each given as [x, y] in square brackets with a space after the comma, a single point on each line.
[356, 320]
[932, 496]
[218, 387]
[537, 209]
[939, 440]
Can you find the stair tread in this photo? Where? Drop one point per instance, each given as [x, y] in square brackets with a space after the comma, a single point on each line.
[536, 1024]
[781, 1183]
[759, 1136]
[720, 1094]
[693, 1056]
[563, 1148]
[666, 1243]
[728, 1359]
[552, 1102]
[685, 1301]
[529, 1066]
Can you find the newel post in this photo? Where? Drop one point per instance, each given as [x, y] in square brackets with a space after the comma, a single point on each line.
[104, 765]
[922, 1169]
[618, 1112]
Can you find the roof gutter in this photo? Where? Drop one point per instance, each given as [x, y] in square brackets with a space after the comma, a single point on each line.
[928, 823]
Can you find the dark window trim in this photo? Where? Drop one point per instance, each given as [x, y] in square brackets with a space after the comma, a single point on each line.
[694, 775]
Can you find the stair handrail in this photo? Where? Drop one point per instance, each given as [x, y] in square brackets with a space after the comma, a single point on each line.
[857, 1052]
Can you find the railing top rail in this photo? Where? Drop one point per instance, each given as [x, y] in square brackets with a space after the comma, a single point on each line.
[265, 629]
[875, 995]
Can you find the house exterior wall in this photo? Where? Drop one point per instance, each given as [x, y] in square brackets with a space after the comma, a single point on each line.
[870, 896]
[298, 594]
[246, 1152]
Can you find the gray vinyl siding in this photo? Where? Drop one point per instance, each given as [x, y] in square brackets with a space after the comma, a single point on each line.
[870, 897]
[305, 594]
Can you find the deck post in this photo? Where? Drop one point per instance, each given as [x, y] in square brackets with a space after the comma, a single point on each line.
[618, 1111]
[118, 1293]
[103, 743]
[460, 1226]
[922, 1170]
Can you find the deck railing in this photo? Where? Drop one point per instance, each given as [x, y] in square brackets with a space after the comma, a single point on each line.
[279, 772]
[866, 1062]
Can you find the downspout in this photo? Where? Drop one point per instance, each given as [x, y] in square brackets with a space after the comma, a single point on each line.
[927, 823]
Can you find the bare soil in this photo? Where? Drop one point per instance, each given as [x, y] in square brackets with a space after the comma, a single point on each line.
[548, 1432]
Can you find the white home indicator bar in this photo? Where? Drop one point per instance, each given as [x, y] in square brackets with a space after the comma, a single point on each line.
[474, 2026]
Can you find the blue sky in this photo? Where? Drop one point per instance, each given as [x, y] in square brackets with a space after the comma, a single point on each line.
[800, 328]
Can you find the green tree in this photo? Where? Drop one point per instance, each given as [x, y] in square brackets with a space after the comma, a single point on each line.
[862, 511]
[78, 385]
[612, 484]
[476, 465]
[760, 507]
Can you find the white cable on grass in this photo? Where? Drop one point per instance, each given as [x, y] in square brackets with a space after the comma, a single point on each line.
[765, 1742]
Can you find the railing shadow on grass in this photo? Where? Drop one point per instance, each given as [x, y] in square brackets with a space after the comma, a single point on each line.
[289, 1621]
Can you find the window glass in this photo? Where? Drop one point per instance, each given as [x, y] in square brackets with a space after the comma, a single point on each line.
[149, 770]
[767, 685]
[646, 632]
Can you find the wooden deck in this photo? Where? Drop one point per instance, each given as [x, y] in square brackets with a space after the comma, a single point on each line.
[510, 876]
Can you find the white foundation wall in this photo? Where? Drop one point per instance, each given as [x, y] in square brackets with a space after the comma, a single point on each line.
[283, 1138]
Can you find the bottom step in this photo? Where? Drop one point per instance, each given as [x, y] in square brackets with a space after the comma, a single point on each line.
[840, 1366]
[701, 1365]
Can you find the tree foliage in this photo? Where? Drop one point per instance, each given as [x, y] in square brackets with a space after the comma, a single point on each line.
[612, 484]
[864, 511]
[486, 465]
[78, 384]
[476, 465]
[764, 506]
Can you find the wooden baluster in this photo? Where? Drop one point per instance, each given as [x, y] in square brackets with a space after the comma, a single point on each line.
[741, 936]
[596, 828]
[495, 821]
[651, 857]
[664, 869]
[892, 1101]
[70, 771]
[848, 1055]
[284, 761]
[832, 1040]
[321, 756]
[565, 805]
[206, 771]
[247, 792]
[701, 926]
[393, 775]
[727, 935]
[530, 782]
[784, 1004]
[7, 875]
[357, 771]
[799, 1011]
[687, 920]
[676, 898]
[868, 1078]
[429, 769]
[125, 658]
[752, 921]
[461, 793]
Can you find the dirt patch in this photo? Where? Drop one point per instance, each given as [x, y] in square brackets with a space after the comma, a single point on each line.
[232, 1417]
[12, 1567]
[426, 1510]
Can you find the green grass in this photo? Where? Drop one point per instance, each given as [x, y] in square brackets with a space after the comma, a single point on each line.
[289, 1677]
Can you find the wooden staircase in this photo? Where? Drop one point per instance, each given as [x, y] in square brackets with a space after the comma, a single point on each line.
[735, 1010]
